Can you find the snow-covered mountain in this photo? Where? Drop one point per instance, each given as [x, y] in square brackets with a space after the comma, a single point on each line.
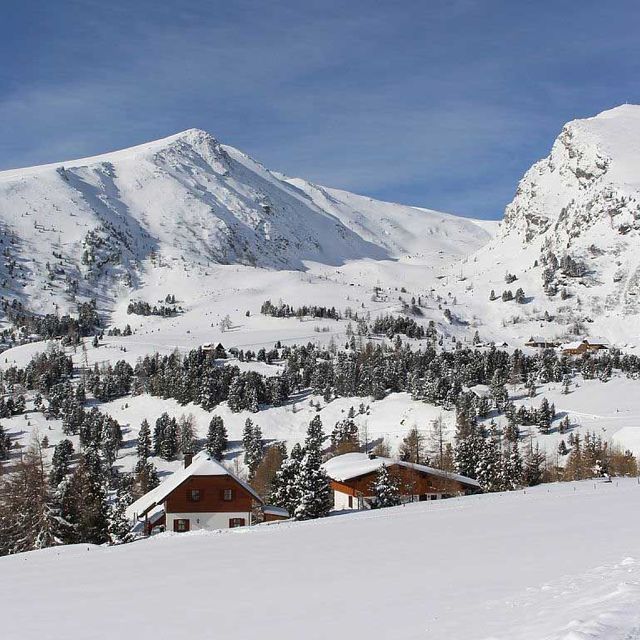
[571, 236]
[167, 215]
[582, 203]
[92, 226]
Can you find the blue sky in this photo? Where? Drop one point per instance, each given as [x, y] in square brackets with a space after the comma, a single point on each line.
[438, 103]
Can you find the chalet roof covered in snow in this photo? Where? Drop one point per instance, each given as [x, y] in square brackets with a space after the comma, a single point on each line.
[273, 510]
[202, 465]
[593, 341]
[353, 465]
[572, 345]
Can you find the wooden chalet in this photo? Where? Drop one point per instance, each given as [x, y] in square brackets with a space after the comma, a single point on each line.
[585, 345]
[202, 495]
[538, 342]
[353, 476]
[272, 513]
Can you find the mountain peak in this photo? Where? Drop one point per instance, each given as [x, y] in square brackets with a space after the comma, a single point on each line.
[190, 136]
[589, 177]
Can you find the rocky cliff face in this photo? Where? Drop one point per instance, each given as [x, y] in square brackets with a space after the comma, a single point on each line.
[577, 212]
[591, 176]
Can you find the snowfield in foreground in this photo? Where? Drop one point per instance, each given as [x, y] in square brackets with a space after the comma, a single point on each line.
[557, 562]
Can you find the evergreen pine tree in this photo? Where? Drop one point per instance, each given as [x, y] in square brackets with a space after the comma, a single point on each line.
[119, 527]
[187, 434]
[217, 441]
[385, 489]
[144, 441]
[533, 465]
[159, 431]
[254, 446]
[170, 442]
[544, 417]
[313, 483]
[84, 503]
[285, 491]
[489, 470]
[60, 461]
[5, 444]
[512, 468]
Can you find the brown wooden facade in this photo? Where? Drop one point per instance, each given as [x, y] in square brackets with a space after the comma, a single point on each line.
[411, 482]
[272, 517]
[209, 494]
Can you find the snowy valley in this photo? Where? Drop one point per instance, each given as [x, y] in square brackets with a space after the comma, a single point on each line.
[154, 292]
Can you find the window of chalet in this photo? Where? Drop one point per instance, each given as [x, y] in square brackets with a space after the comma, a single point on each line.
[195, 495]
[181, 525]
[236, 522]
[227, 495]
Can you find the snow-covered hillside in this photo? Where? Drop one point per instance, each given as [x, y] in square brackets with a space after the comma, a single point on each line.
[97, 227]
[559, 562]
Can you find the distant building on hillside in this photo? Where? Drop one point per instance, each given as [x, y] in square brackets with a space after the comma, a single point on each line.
[217, 350]
[353, 476]
[202, 495]
[583, 346]
[538, 342]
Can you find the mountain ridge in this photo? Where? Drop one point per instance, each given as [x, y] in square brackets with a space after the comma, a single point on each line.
[92, 225]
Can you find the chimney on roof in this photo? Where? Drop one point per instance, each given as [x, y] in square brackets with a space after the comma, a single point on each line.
[188, 459]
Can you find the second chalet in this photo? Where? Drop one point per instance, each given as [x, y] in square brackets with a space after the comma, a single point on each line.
[353, 476]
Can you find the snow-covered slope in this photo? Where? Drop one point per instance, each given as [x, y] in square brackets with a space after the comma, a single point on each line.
[554, 562]
[96, 226]
[401, 230]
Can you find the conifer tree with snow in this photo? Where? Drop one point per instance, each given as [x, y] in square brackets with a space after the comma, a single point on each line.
[217, 440]
[159, 431]
[143, 446]
[544, 417]
[534, 462]
[5, 444]
[313, 483]
[512, 468]
[469, 450]
[385, 489]
[285, 491]
[187, 434]
[488, 471]
[253, 446]
[170, 442]
[511, 431]
[119, 527]
[84, 501]
[344, 437]
[531, 386]
[60, 461]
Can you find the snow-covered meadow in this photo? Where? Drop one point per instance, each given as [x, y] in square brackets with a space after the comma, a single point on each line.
[555, 562]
